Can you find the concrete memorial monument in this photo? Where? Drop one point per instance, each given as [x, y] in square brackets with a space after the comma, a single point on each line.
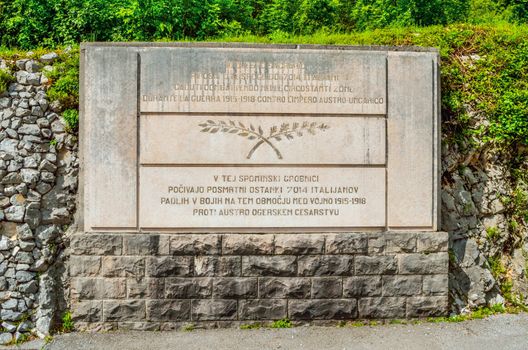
[238, 182]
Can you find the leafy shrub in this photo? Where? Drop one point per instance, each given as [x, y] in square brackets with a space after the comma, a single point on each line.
[67, 322]
[30, 23]
[65, 81]
[6, 78]
[71, 117]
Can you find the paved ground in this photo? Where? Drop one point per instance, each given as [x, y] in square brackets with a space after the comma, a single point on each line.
[504, 332]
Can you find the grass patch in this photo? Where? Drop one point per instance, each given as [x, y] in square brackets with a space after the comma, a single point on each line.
[284, 323]
[48, 339]
[64, 82]
[71, 117]
[189, 327]
[67, 322]
[492, 233]
[479, 313]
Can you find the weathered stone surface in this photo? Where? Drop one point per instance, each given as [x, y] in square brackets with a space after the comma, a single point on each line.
[432, 242]
[327, 287]
[96, 244]
[29, 129]
[5, 338]
[284, 288]
[269, 265]
[427, 306]
[413, 131]
[123, 310]
[84, 266]
[148, 288]
[299, 244]
[235, 288]
[346, 243]
[141, 244]
[386, 307]
[330, 309]
[362, 286]
[262, 309]
[402, 285]
[326, 265]
[123, 266]
[184, 288]
[24, 232]
[214, 309]
[15, 213]
[138, 326]
[49, 58]
[110, 138]
[168, 310]
[98, 288]
[375, 265]
[88, 311]
[207, 244]
[247, 244]
[221, 266]
[395, 242]
[168, 266]
[434, 263]
[435, 285]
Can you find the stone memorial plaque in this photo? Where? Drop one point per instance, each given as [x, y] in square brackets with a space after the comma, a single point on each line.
[284, 137]
[238, 183]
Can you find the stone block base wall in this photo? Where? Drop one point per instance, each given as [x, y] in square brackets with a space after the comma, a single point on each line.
[159, 281]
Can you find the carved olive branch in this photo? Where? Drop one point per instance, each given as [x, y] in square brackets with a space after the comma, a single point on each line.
[257, 133]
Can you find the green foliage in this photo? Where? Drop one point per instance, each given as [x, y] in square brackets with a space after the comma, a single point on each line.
[31, 23]
[6, 78]
[251, 326]
[48, 339]
[497, 268]
[67, 322]
[479, 313]
[492, 233]
[71, 117]
[65, 82]
[284, 323]
[189, 327]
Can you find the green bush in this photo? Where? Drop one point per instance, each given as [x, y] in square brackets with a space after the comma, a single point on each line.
[71, 117]
[6, 78]
[67, 322]
[30, 23]
[65, 81]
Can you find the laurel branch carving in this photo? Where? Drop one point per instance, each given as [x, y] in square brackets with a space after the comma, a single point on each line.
[285, 131]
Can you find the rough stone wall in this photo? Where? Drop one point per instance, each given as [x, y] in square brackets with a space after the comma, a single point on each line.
[162, 281]
[38, 182]
[476, 192]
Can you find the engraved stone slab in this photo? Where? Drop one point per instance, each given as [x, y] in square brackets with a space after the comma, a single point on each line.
[202, 139]
[219, 197]
[263, 81]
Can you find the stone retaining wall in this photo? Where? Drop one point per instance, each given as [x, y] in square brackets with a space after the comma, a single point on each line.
[38, 185]
[157, 281]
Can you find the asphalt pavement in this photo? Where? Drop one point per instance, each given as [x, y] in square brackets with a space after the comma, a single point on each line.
[504, 332]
